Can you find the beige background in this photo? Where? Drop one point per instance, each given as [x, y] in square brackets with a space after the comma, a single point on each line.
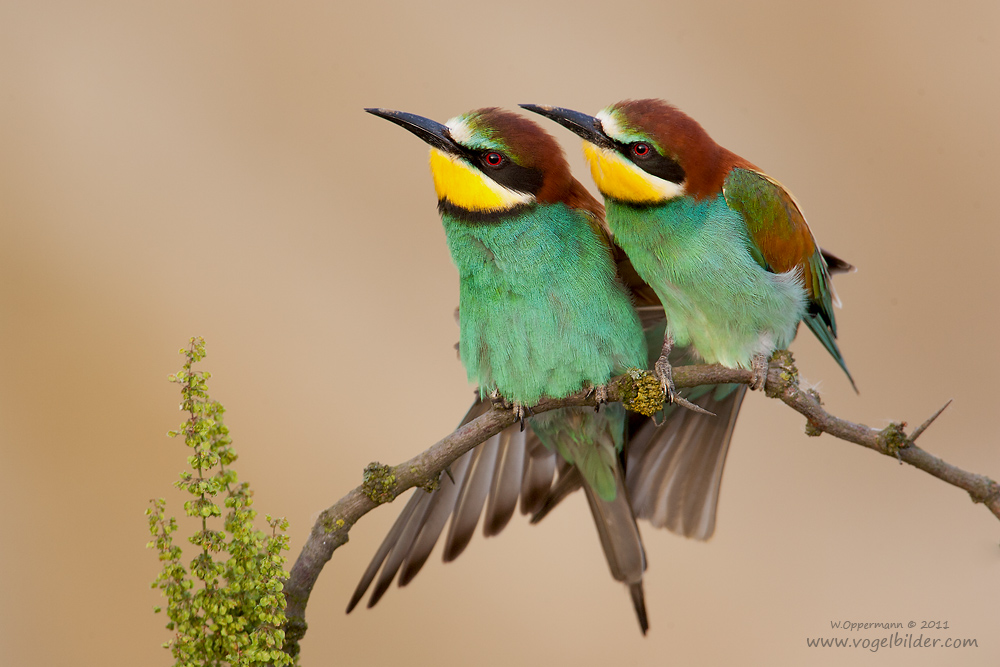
[179, 168]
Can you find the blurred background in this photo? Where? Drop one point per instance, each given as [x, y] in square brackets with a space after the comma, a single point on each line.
[205, 168]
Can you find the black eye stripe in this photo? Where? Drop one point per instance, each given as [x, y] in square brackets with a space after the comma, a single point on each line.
[507, 172]
[653, 162]
[512, 175]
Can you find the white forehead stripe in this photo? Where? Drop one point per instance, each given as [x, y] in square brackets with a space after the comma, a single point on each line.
[459, 131]
[609, 124]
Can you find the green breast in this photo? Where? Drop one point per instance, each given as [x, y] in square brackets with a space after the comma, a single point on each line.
[541, 312]
[717, 298]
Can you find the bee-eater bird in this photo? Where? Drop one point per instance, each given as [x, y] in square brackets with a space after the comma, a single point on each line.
[724, 246]
[544, 312]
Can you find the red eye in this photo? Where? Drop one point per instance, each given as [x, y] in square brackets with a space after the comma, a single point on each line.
[493, 159]
[640, 149]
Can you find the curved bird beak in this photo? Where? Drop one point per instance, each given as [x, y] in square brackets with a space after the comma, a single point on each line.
[586, 126]
[431, 131]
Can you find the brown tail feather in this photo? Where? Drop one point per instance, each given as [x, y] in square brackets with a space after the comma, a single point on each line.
[621, 541]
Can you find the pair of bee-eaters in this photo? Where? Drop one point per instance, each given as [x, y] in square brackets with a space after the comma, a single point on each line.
[696, 254]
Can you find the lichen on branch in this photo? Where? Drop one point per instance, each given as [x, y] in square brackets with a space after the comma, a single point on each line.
[640, 392]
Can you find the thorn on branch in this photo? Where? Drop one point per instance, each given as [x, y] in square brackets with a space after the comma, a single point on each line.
[930, 420]
[688, 405]
[640, 392]
[379, 483]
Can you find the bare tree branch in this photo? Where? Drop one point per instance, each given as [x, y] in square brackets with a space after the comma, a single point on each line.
[640, 392]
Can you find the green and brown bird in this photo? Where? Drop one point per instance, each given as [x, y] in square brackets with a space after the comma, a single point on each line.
[545, 312]
[724, 246]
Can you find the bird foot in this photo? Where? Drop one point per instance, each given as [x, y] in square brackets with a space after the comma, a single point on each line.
[498, 401]
[521, 412]
[758, 365]
[664, 373]
[600, 394]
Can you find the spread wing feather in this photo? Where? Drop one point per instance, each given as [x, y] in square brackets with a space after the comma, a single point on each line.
[509, 465]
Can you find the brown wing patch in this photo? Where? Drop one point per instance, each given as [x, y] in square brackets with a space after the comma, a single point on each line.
[774, 220]
[794, 248]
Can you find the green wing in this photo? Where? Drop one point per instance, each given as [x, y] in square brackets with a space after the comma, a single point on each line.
[780, 240]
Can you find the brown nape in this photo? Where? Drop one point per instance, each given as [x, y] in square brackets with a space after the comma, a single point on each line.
[577, 196]
[705, 162]
[533, 147]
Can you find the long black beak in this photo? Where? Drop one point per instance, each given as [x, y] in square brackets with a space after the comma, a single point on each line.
[431, 131]
[586, 126]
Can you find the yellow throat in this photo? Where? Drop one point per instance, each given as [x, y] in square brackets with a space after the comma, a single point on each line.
[466, 187]
[618, 178]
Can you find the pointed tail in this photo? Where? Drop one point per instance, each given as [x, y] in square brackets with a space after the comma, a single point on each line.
[674, 470]
[621, 541]
[829, 341]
